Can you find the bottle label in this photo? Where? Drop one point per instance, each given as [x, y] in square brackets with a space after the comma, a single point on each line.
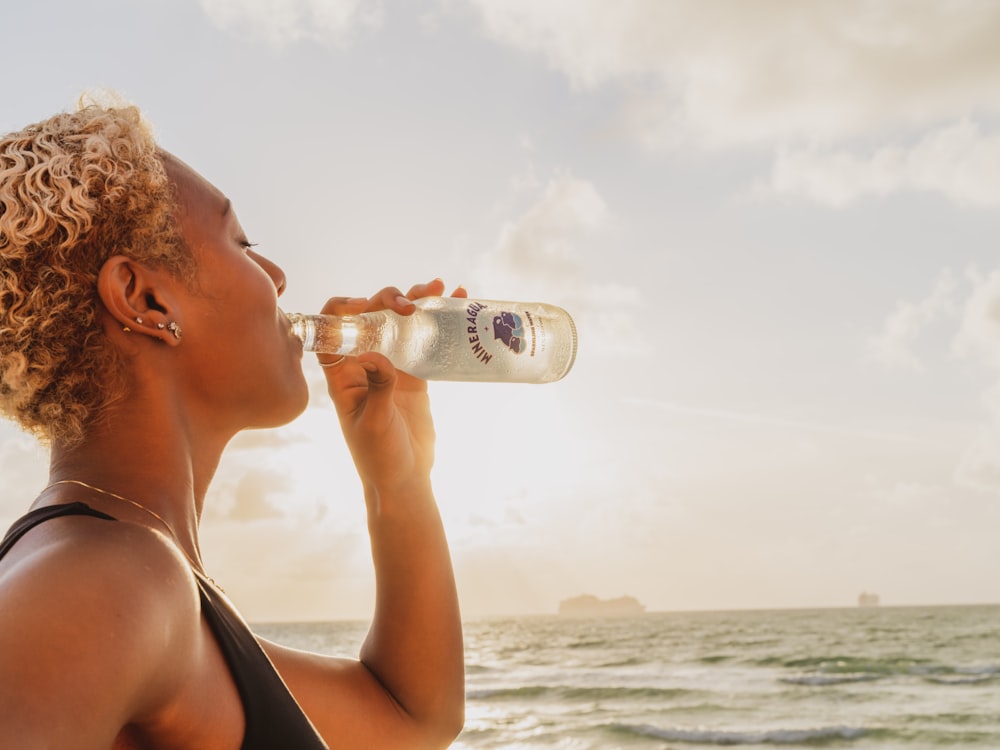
[505, 328]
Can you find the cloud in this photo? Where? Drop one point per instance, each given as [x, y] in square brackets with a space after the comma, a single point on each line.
[543, 253]
[979, 467]
[958, 161]
[804, 78]
[252, 495]
[281, 22]
[908, 495]
[541, 241]
[978, 339]
[893, 347]
[24, 467]
[291, 570]
[779, 423]
[724, 74]
[250, 440]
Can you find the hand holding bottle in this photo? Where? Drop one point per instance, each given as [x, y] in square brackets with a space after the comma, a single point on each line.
[384, 413]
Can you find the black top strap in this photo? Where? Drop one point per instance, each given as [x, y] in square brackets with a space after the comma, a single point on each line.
[273, 717]
[39, 515]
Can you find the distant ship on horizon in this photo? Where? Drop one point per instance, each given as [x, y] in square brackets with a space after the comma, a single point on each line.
[867, 599]
[588, 605]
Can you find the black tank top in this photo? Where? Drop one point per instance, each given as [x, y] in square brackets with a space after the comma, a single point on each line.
[274, 721]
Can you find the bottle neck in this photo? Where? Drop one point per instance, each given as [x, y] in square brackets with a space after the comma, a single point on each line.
[329, 334]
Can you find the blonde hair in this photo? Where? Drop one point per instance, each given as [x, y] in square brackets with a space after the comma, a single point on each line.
[75, 189]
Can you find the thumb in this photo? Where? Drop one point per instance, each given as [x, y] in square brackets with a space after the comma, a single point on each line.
[358, 385]
[380, 371]
[381, 381]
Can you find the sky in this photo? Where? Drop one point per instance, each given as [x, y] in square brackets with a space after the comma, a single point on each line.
[774, 222]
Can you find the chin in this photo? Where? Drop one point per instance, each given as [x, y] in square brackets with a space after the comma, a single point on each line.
[296, 403]
[282, 406]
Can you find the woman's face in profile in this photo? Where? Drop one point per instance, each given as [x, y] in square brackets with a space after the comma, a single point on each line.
[244, 358]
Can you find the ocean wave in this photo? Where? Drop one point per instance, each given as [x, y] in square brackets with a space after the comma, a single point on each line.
[824, 680]
[477, 669]
[633, 661]
[939, 670]
[838, 670]
[859, 665]
[570, 693]
[715, 659]
[966, 679]
[813, 736]
[598, 643]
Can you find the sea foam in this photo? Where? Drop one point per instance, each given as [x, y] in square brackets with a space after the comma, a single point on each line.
[746, 737]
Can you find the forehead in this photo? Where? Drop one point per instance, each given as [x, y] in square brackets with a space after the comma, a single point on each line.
[196, 196]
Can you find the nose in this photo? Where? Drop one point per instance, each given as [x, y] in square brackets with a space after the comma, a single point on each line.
[271, 269]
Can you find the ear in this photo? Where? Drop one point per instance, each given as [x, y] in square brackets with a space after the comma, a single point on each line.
[139, 299]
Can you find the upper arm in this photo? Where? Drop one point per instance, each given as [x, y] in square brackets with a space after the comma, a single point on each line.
[345, 702]
[86, 633]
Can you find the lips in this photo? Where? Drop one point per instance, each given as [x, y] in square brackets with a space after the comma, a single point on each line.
[287, 325]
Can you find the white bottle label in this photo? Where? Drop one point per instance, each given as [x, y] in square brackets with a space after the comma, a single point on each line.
[498, 332]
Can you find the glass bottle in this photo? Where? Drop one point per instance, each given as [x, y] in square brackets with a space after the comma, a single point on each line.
[451, 338]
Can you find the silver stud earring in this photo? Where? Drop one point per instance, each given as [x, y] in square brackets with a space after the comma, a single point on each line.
[138, 321]
[161, 326]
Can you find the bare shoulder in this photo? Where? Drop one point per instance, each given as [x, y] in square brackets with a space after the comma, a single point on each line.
[106, 567]
[111, 603]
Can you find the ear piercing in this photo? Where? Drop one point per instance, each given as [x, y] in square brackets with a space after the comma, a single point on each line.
[171, 326]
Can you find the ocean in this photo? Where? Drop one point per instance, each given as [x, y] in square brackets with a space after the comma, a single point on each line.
[893, 678]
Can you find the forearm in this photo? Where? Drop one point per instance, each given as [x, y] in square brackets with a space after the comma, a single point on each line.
[415, 647]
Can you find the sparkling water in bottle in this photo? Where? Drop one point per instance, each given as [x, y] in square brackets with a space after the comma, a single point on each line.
[450, 338]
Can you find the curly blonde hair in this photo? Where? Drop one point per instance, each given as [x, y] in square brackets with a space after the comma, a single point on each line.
[75, 189]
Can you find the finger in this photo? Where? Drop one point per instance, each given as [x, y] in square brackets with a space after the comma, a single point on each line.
[381, 382]
[390, 298]
[378, 369]
[347, 384]
[433, 288]
[344, 305]
[460, 292]
[340, 306]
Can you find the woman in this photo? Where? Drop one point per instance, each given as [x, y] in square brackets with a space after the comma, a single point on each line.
[139, 332]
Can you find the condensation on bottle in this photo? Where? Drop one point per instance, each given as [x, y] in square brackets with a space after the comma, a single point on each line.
[451, 338]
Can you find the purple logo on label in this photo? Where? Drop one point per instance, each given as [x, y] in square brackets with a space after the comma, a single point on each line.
[507, 327]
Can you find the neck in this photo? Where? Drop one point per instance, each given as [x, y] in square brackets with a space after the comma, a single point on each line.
[157, 470]
[152, 447]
